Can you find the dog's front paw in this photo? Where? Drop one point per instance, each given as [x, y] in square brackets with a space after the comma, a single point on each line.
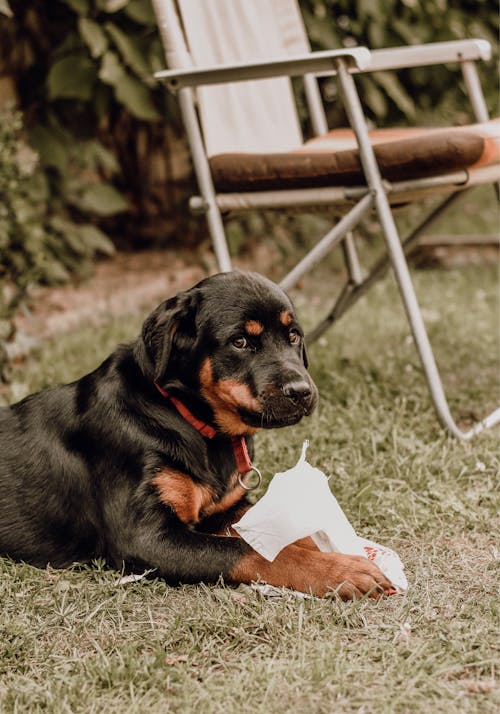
[352, 577]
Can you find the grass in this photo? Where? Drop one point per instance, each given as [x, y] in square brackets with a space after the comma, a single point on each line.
[74, 641]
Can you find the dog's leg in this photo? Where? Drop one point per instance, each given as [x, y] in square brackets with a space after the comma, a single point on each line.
[182, 554]
[191, 557]
[221, 524]
[306, 543]
[301, 568]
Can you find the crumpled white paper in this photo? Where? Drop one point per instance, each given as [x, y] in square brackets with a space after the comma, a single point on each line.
[299, 503]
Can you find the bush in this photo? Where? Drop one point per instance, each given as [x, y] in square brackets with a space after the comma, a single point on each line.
[83, 70]
[419, 94]
[40, 239]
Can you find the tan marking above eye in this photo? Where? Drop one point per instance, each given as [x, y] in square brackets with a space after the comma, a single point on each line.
[254, 327]
[286, 318]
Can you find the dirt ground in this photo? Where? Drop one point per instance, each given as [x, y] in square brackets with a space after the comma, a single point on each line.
[128, 283]
[122, 284]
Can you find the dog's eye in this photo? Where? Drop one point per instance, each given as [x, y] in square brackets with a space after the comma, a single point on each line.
[240, 343]
[294, 337]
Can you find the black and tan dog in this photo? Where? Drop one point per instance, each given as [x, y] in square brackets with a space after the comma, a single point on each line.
[138, 461]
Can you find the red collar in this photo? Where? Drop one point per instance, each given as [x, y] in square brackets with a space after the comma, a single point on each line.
[243, 463]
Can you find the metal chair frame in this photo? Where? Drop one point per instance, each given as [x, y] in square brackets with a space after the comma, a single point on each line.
[377, 195]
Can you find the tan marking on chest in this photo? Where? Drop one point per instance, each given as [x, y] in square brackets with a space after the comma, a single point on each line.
[234, 494]
[182, 494]
[190, 500]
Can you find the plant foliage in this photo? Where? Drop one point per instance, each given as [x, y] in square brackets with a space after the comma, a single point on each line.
[41, 239]
[427, 93]
[83, 73]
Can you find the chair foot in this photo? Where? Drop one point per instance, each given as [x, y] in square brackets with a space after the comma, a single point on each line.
[491, 420]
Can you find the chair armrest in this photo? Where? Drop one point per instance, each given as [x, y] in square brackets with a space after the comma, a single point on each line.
[422, 55]
[357, 58]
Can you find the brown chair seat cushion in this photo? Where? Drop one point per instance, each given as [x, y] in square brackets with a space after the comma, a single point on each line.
[333, 160]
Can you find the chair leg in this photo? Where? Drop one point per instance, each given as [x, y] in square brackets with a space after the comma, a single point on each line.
[354, 281]
[204, 177]
[340, 306]
[351, 259]
[398, 261]
[331, 239]
[380, 268]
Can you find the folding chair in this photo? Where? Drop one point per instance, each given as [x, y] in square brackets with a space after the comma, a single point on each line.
[249, 153]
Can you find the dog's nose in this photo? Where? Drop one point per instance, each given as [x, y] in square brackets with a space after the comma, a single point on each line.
[298, 391]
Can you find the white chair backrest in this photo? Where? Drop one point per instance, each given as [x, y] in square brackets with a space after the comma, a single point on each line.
[250, 116]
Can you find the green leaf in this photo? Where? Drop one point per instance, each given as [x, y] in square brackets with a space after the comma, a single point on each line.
[98, 155]
[37, 192]
[374, 98]
[54, 273]
[410, 34]
[323, 33]
[79, 6]
[69, 231]
[111, 70]
[52, 148]
[84, 240]
[111, 5]
[366, 9]
[129, 50]
[103, 200]
[137, 98]
[376, 35]
[393, 88]
[93, 36]
[96, 240]
[5, 8]
[129, 91]
[156, 55]
[71, 78]
[140, 11]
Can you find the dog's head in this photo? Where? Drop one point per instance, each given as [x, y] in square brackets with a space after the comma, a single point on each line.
[233, 342]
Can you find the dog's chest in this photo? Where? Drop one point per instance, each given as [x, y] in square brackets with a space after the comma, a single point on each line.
[191, 501]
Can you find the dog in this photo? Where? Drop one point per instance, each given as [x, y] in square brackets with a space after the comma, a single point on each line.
[144, 461]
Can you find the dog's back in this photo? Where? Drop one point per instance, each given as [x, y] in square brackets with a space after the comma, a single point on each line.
[46, 499]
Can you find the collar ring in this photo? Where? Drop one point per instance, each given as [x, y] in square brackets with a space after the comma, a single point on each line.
[256, 479]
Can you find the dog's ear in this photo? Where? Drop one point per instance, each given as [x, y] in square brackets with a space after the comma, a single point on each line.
[305, 358]
[173, 320]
